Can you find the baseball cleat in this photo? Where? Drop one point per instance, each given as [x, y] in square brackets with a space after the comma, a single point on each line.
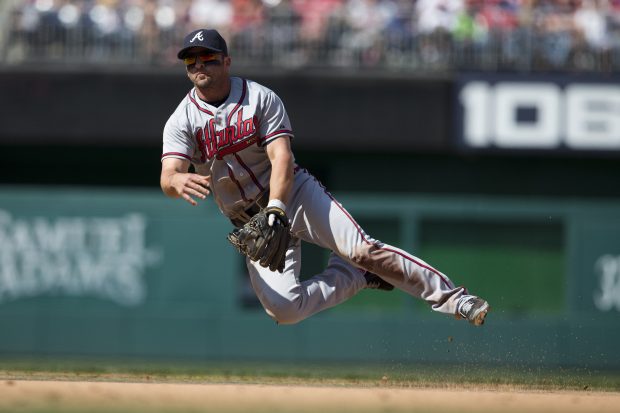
[374, 282]
[473, 309]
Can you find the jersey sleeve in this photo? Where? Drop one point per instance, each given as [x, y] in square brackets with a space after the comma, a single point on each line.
[178, 142]
[274, 122]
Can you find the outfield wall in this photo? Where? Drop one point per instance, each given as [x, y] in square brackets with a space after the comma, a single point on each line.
[516, 189]
[132, 273]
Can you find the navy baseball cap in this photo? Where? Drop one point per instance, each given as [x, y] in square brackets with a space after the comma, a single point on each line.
[207, 38]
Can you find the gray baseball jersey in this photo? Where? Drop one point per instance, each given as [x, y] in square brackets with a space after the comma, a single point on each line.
[228, 142]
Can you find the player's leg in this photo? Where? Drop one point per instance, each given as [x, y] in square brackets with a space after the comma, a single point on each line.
[288, 301]
[331, 226]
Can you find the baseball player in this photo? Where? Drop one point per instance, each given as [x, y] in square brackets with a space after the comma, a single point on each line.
[237, 135]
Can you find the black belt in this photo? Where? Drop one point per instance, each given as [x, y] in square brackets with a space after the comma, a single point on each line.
[260, 203]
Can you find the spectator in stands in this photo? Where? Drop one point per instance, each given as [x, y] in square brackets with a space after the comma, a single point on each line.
[555, 33]
[399, 34]
[613, 27]
[436, 20]
[470, 35]
[210, 13]
[314, 22]
[314, 17]
[366, 21]
[246, 29]
[592, 43]
[501, 18]
[281, 28]
[491, 34]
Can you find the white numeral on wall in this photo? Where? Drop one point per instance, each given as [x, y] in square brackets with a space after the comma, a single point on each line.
[608, 296]
[582, 116]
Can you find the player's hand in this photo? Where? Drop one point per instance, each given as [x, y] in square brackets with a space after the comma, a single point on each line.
[189, 186]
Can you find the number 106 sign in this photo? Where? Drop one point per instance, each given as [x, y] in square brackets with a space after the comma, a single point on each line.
[540, 115]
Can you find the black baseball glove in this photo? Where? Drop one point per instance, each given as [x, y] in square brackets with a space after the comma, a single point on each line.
[264, 238]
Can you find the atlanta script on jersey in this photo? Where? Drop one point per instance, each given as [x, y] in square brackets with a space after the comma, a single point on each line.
[228, 142]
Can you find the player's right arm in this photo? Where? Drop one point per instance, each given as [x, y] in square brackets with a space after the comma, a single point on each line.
[177, 182]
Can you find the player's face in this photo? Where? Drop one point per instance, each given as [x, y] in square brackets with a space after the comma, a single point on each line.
[207, 70]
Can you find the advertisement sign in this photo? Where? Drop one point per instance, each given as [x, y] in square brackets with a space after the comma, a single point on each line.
[544, 113]
[126, 250]
[79, 256]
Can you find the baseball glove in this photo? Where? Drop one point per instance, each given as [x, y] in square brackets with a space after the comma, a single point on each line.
[264, 238]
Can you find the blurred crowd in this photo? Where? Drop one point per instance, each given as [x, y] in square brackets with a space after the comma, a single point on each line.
[448, 34]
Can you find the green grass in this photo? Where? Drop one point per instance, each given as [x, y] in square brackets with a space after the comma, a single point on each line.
[313, 374]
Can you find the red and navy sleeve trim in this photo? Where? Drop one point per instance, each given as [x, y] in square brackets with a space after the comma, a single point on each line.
[176, 154]
[278, 132]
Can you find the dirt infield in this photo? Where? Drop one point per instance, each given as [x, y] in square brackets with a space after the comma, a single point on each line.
[73, 396]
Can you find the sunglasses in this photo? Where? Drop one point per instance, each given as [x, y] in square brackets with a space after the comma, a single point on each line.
[203, 58]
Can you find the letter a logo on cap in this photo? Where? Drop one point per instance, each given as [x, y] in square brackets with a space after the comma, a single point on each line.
[197, 36]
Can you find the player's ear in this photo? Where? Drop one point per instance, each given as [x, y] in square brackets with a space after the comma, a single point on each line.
[227, 61]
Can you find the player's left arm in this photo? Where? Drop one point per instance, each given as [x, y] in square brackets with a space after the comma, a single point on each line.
[282, 159]
[266, 237]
